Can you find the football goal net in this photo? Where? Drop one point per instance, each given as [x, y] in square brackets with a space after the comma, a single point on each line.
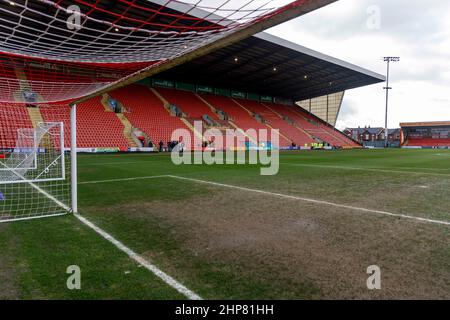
[59, 51]
[35, 178]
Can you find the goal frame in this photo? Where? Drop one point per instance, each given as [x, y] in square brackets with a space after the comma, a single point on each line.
[35, 147]
[73, 158]
[73, 208]
[36, 152]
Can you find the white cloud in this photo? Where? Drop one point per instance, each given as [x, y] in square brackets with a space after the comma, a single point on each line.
[417, 31]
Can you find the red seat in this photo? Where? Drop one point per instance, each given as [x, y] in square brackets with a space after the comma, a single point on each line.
[147, 112]
[12, 118]
[314, 126]
[96, 128]
[239, 116]
[277, 122]
[428, 142]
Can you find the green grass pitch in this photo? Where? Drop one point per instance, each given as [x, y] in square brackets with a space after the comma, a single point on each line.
[229, 243]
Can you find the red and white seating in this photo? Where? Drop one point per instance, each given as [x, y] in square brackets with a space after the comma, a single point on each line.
[12, 118]
[277, 122]
[239, 116]
[147, 112]
[314, 126]
[427, 142]
[188, 102]
[96, 128]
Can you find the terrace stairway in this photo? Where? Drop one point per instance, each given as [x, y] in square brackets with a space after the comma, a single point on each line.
[127, 130]
[105, 104]
[36, 118]
[23, 81]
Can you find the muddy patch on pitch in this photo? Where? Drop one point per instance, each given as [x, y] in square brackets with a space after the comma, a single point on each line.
[8, 288]
[304, 250]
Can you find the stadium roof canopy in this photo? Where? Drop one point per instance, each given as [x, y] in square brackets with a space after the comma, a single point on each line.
[267, 64]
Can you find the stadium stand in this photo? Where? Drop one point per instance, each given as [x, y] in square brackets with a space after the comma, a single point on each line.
[188, 102]
[239, 116]
[427, 142]
[147, 112]
[313, 126]
[100, 127]
[425, 134]
[276, 121]
[12, 118]
[96, 128]
[317, 128]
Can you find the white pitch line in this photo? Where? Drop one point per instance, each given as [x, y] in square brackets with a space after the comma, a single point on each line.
[365, 169]
[397, 215]
[313, 165]
[33, 217]
[114, 163]
[140, 260]
[45, 193]
[133, 255]
[123, 179]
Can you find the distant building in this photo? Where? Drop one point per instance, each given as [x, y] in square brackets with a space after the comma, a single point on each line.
[425, 134]
[374, 137]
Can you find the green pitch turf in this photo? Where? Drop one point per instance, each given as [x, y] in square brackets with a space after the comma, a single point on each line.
[230, 243]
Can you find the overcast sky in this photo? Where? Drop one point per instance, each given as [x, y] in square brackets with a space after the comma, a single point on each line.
[362, 32]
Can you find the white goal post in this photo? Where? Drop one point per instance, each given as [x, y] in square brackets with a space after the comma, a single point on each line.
[37, 179]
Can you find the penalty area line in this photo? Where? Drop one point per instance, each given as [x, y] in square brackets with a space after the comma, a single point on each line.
[123, 179]
[280, 195]
[141, 261]
[130, 253]
[119, 245]
[369, 169]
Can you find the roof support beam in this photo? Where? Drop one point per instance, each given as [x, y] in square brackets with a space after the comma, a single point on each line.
[248, 62]
[315, 76]
[322, 92]
[323, 83]
[236, 52]
[284, 69]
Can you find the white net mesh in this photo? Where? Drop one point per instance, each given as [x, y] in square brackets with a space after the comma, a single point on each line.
[55, 52]
[61, 50]
[123, 31]
[34, 179]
